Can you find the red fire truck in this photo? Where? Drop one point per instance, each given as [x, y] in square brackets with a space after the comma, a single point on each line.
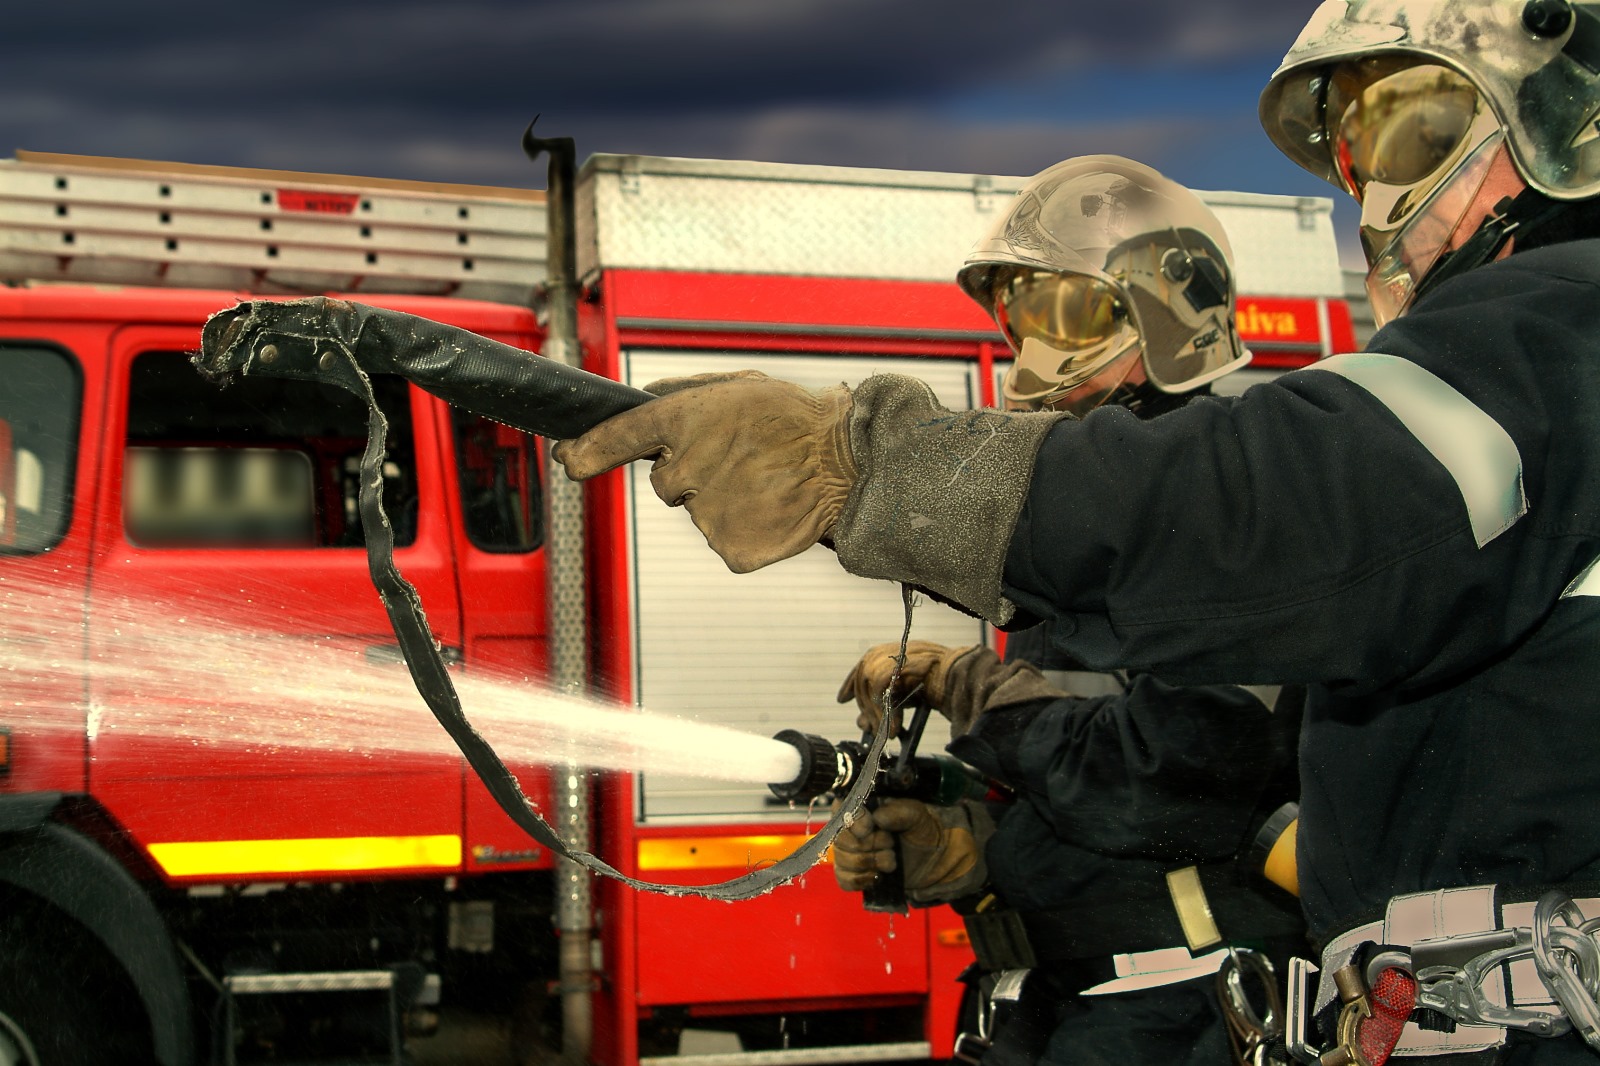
[179, 892]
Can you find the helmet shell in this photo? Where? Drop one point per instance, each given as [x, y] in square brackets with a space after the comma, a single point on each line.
[1155, 243]
[1541, 88]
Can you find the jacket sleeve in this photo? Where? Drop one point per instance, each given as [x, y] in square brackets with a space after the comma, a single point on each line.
[1160, 772]
[1325, 527]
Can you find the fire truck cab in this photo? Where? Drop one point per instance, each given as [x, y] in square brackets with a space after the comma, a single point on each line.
[199, 867]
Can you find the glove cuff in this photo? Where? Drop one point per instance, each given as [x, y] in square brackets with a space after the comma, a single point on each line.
[977, 682]
[937, 493]
[835, 460]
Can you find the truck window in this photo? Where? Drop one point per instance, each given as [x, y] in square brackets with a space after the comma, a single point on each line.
[39, 411]
[500, 493]
[263, 463]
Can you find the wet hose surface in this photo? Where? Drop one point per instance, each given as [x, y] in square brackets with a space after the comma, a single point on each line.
[341, 343]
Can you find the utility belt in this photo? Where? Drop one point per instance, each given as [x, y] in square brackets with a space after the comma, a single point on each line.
[1451, 971]
[1131, 943]
[1018, 1011]
[1203, 906]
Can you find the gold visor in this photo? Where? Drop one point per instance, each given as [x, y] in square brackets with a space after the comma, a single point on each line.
[1072, 313]
[1395, 121]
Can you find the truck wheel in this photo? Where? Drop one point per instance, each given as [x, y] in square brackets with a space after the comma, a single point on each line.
[63, 1000]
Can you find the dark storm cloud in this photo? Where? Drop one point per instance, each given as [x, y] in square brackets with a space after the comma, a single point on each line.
[442, 91]
[645, 55]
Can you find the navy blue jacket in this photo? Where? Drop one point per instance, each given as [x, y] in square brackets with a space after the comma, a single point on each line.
[1114, 791]
[1398, 533]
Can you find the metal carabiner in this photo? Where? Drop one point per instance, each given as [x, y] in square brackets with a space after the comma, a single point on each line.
[1249, 1033]
[1568, 961]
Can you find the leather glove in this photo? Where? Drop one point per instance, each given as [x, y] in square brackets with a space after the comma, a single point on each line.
[762, 466]
[976, 682]
[941, 849]
[903, 488]
[867, 681]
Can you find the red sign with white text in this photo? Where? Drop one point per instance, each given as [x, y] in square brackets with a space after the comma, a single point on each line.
[318, 203]
[1268, 321]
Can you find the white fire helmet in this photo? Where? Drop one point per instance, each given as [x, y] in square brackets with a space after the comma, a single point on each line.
[1100, 265]
[1432, 113]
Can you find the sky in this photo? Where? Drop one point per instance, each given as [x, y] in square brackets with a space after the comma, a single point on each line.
[442, 91]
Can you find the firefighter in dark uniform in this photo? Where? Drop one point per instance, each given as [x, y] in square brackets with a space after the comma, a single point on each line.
[1116, 889]
[1119, 896]
[1411, 531]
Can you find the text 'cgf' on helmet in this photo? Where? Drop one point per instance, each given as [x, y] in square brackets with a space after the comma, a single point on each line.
[1102, 273]
[1455, 123]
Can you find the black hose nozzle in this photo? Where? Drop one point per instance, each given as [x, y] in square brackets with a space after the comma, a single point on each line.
[823, 767]
[334, 341]
[828, 767]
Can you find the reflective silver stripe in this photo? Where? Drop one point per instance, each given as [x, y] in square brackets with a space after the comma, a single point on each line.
[1473, 447]
[1084, 683]
[1586, 583]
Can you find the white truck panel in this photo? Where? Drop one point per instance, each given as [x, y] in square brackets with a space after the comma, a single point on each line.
[654, 213]
[764, 651]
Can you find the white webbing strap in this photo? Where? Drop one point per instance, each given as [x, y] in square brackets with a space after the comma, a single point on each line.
[1158, 968]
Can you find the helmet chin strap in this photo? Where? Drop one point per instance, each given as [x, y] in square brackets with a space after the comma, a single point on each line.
[1512, 216]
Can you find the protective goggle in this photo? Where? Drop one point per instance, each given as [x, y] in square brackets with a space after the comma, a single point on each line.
[1073, 313]
[1396, 121]
[1065, 328]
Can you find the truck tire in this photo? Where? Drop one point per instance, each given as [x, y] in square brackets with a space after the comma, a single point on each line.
[64, 1001]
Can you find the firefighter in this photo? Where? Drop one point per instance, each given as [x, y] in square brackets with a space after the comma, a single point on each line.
[1412, 530]
[1118, 877]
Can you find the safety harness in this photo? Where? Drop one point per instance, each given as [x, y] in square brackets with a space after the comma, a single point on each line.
[1465, 965]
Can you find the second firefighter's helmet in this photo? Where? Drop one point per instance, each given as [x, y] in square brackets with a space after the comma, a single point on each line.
[1101, 267]
[1437, 115]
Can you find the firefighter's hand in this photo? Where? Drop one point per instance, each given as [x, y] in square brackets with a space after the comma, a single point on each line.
[762, 466]
[921, 680]
[940, 848]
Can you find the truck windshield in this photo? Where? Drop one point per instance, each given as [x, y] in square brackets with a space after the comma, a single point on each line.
[264, 463]
[39, 411]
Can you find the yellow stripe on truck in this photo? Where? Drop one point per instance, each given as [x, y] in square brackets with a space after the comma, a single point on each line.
[692, 853]
[217, 858]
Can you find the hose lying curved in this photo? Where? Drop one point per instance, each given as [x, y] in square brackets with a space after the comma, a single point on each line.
[340, 343]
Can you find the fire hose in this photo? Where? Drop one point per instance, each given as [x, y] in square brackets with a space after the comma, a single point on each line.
[341, 343]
